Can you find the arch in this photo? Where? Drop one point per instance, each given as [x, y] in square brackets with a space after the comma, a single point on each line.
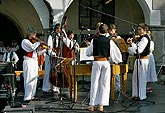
[9, 30]
[42, 12]
[152, 17]
[146, 10]
[59, 9]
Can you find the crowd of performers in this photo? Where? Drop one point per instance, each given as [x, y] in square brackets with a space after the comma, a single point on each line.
[61, 44]
[105, 51]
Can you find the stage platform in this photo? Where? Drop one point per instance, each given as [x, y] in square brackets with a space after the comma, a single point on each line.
[53, 104]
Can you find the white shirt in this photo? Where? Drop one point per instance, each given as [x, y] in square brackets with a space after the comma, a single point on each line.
[7, 56]
[115, 54]
[140, 46]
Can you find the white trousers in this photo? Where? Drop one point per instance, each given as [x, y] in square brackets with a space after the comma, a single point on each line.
[139, 78]
[47, 86]
[30, 74]
[100, 83]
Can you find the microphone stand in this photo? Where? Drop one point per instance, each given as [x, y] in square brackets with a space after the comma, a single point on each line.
[60, 74]
[137, 73]
[137, 77]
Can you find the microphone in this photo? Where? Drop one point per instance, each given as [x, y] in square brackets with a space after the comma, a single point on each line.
[132, 32]
[85, 28]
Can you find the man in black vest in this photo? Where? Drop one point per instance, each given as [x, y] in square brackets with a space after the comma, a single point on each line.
[54, 42]
[10, 56]
[102, 48]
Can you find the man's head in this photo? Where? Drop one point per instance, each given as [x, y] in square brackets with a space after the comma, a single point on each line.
[31, 32]
[57, 28]
[112, 28]
[8, 47]
[70, 34]
[103, 29]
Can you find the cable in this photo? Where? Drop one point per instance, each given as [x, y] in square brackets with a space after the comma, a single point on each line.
[107, 14]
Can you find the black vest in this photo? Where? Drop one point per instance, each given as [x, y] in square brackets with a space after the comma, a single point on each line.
[101, 46]
[146, 51]
[11, 55]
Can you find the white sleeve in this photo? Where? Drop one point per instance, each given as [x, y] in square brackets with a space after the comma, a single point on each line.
[140, 46]
[132, 49]
[89, 50]
[50, 44]
[151, 46]
[15, 57]
[115, 54]
[77, 47]
[41, 52]
[4, 55]
[28, 46]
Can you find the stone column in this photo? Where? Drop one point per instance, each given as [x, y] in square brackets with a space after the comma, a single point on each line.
[158, 36]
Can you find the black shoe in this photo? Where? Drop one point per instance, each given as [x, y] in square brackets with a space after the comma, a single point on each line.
[134, 98]
[27, 101]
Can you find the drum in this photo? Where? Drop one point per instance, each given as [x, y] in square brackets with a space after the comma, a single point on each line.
[58, 75]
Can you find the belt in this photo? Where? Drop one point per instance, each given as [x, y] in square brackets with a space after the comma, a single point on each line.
[143, 57]
[100, 58]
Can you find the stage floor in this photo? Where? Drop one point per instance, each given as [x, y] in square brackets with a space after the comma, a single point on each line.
[54, 104]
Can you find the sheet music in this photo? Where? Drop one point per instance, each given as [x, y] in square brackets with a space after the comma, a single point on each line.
[121, 44]
[83, 55]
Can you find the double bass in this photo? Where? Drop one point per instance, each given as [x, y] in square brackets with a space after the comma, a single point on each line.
[58, 74]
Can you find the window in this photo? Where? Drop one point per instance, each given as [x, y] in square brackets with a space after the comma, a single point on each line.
[93, 11]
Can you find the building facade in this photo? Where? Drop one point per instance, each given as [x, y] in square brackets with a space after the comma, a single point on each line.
[17, 15]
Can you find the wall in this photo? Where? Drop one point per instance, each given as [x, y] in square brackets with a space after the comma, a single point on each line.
[158, 34]
[22, 14]
[129, 12]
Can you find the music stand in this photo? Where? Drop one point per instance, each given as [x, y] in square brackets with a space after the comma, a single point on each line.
[62, 62]
[123, 47]
[120, 42]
